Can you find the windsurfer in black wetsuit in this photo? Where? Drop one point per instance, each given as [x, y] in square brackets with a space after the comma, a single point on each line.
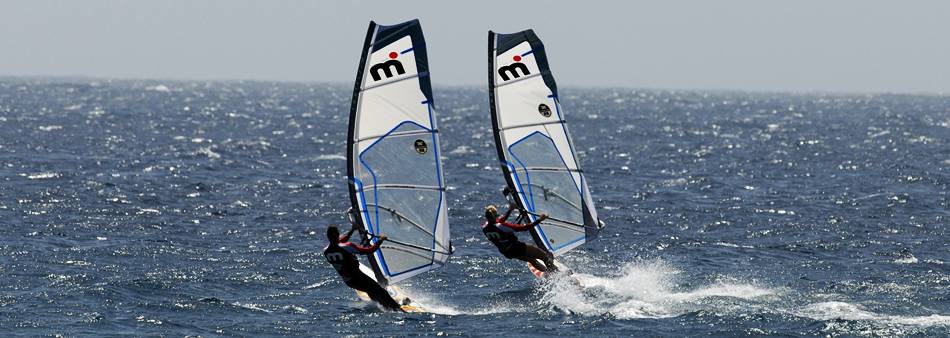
[341, 253]
[502, 234]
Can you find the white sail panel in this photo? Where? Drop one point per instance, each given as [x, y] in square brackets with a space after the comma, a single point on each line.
[396, 181]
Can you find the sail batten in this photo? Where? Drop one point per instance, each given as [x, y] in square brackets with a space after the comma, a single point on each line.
[393, 165]
[534, 145]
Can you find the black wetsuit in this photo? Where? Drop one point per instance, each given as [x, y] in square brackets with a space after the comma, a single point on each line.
[502, 235]
[343, 258]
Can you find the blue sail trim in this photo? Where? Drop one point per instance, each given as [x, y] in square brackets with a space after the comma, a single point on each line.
[438, 174]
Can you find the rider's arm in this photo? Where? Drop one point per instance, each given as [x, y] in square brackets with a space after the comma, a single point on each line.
[511, 207]
[368, 249]
[524, 227]
[346, 237]
[538, 221]
[517, 227]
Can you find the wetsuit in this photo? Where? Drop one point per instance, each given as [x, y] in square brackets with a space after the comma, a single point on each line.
[502, 235]
[343, 258]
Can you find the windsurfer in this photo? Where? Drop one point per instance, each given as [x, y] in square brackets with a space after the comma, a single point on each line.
[341, 253]
[502, 234]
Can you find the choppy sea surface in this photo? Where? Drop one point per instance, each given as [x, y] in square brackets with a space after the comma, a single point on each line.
[148, 208]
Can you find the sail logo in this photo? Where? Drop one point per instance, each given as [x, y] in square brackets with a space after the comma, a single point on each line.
[389, 68]
[421, 146]
[544, 110]
[514, 70]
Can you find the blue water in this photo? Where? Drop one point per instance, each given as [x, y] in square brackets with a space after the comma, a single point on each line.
[198, 208]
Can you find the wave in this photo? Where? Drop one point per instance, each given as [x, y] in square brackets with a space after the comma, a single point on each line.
[328, 157]
[826, 311]
[641, 290]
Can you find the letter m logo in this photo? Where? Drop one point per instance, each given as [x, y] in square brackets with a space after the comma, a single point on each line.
[511, 71]
[386, 68]
[492, 235]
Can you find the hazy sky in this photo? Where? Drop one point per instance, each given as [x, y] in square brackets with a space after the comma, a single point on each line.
[851, 46]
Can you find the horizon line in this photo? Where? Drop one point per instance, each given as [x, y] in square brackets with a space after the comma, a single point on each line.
[66, 78]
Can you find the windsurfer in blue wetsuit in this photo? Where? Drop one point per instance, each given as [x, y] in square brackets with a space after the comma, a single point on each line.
[502, 234]
[341, 253]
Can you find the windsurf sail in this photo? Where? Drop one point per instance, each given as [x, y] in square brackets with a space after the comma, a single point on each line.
[535, 149]
[395, 174]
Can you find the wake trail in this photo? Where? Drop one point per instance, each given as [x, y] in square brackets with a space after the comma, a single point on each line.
[654, 289]
[440, 307]
[641, 290]
[650, 289]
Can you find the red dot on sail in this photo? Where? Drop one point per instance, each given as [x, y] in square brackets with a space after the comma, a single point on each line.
[393, 55]
[517, 58]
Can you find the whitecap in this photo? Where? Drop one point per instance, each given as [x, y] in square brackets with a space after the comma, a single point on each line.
[50, 127]
[826, 311]
[251, 306]
[461, 150]
[328, 157]
[207, 152]
[42, 175]
[674, 182]
[906, 260]
[148, 211]
[159, 88]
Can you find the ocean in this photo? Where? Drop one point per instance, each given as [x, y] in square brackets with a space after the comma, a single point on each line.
[189, 208]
